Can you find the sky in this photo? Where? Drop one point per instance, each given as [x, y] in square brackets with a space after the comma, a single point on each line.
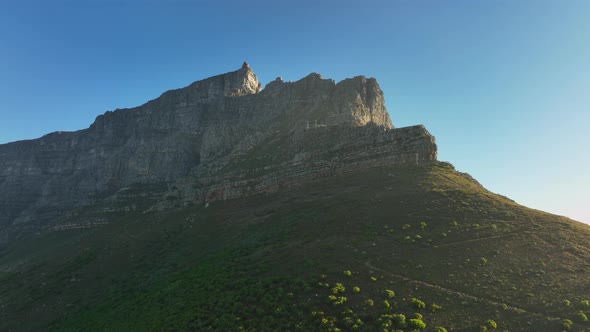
[504, 85]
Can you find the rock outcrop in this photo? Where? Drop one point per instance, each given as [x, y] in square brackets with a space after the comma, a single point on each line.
[219, 138]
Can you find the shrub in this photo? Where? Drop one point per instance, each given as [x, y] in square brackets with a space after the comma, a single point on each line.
[347, 273]
[406, 227]
[423, 225]
[585, 304]
[418, 304]
[390, 294]
[369, 302]
[567, 324]
[416, 324]
[386, 304]
[340, 300]
[355, 289]
[490, 324]
[399, 320]
[582, 316]
[435, 307]
[567, 303]
[338, 288]
[483, 261]
[440, 329]
[386, 324]
[373, 279]
[348, 321]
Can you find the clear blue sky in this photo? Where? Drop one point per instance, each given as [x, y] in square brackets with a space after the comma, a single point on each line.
[504, 85]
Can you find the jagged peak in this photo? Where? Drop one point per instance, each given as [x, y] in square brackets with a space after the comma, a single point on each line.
[234, 83]
[241, 82]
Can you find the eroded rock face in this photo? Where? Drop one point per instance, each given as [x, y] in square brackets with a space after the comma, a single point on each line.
[212, 130]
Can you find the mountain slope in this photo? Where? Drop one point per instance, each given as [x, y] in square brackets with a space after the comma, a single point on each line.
[261, 263]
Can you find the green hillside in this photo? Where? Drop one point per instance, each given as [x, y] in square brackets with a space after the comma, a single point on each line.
[386, 249]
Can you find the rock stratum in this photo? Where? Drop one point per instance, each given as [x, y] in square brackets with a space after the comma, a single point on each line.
[220, 138]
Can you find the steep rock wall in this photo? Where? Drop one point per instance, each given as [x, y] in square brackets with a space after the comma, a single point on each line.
[197, 132]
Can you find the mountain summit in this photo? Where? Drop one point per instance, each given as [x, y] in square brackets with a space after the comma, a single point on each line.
[219, 138]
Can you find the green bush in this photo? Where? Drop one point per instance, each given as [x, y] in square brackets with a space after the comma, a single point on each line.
[338, 288]
[340, 300]
[440, 329]
[356, 289]
[567, 324]
[582, 316]
[390, 294]
[416, 324]
[490, 324]
[418, 304]
[348, 321]
[347, 273]
[585, 304]
[399, 320]
[386, 304]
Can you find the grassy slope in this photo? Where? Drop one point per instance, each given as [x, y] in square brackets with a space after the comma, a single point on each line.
[428, 233]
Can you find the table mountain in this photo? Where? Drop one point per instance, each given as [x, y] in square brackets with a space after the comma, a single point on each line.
[219, 138]
[223, 206]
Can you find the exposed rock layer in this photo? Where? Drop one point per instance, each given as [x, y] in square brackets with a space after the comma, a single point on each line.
[219, 138]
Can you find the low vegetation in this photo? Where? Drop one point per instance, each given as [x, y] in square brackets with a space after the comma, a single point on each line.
[341, 253]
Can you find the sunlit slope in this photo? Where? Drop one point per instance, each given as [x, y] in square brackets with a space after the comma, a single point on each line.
[452, 252]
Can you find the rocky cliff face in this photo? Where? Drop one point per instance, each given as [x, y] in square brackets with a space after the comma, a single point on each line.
[218, 138]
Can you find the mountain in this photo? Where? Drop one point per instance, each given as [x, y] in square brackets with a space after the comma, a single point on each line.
[298, 207]
[224, 129]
